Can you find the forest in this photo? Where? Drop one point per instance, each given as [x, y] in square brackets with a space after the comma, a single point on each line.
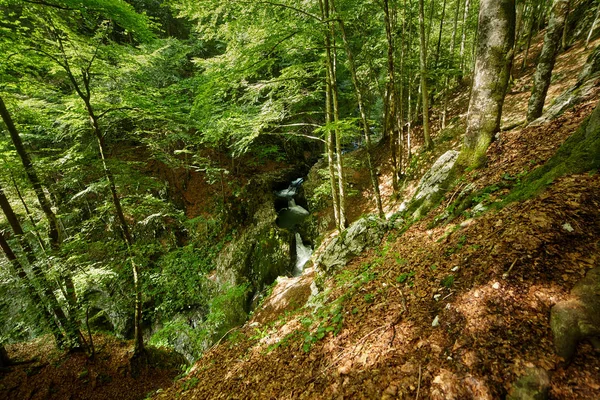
[319, 199]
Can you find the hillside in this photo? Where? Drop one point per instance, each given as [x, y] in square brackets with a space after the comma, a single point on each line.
[488, 279]
[314, 200]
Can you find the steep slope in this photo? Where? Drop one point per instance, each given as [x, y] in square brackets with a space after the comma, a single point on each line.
[455, 305]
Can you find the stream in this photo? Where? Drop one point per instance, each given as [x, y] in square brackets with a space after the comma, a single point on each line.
[289, 218]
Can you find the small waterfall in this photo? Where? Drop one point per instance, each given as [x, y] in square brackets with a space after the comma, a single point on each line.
[303, 254]
[289, 218]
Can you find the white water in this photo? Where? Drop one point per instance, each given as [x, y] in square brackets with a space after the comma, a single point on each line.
[303, 254]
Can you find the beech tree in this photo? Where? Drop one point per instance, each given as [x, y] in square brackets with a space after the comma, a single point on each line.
[543, 72]
[424, 88]
[490, 81]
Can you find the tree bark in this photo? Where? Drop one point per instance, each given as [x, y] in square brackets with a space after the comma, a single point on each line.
[464, 34]
[543, 72]
[83, 90]
[53, 233]
[68, 323]
[492, 71]
[450, 65]
[363, 116]
[589, 36]
[391, 123]
[424, 93]
[32, 293]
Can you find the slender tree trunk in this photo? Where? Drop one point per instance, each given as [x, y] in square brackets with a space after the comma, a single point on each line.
[29, 215]
[409, 87]
[53, 230]
[589, 36]
[521, 6]
[492, 70]
[329, 139]
[450, 65]
[464, 35]
[439, 42]
[330, 152]
[83, 90]
[543, 72]
[363, 116]
[33, 295]
[338, 136]
[565, 30]
[33, 177]
[534, 9]
[425, 96]
[68, 323]
[391, 120]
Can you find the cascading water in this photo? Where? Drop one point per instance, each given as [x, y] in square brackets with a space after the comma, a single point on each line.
[303, 254]
[289, 218]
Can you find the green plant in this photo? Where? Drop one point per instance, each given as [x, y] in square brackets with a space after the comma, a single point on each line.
[448, 281]
[405, 277]
[190, 383]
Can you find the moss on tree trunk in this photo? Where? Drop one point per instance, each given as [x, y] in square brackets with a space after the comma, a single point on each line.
[492, 70]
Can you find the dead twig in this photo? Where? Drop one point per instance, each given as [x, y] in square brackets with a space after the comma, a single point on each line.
[505, 275]
[419, 385]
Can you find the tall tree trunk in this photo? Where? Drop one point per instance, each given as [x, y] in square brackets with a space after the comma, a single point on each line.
[391, 120]
[565, 31]
[338, 135]
[33, 295]
[464, 35]
[29, 215]
[589, 36]
[68, 323]
[424, 92]
[83, 90]
[53, 230]
[330, 144]
[450, 64]
[492, 71]
[363, 116]
[439, 42]
[532, 17]
[543, 72]
[33, 177]
[329, 138]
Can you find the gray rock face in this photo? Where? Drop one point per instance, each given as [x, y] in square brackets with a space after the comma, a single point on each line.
[578, 318]
[534, 385]
[432, 185]
[259, 255]
[365, 232]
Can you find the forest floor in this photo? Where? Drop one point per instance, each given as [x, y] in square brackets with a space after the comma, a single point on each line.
[43, 372]
[488, 281]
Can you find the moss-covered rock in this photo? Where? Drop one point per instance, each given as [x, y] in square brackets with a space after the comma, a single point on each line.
[366, 232]
[578, 318]
[433, 185]
[260, 254]
[534, 385]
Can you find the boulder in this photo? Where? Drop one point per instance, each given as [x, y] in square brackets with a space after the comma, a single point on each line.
[260, 254]
[366, 232]
[534, 385]
[433, 185]
[577, 318]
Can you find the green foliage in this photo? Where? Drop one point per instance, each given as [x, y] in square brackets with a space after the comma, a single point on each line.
[448, 281]
[406, 277]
